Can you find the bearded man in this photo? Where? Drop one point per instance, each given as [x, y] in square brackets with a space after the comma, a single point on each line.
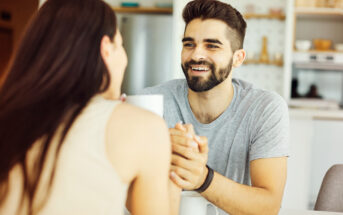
[233, 144]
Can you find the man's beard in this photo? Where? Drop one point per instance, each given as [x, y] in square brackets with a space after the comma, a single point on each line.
[198, 84]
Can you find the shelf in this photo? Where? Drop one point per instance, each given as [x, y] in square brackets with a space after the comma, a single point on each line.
[318, 12]
[312, 51]
[319, 66]
[253, 62]
[143, 10]
[264, 16]
[155, 10]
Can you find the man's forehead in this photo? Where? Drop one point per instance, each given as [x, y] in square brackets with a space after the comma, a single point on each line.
[199, 29]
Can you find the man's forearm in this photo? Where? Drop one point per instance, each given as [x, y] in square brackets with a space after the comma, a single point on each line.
[238, 199]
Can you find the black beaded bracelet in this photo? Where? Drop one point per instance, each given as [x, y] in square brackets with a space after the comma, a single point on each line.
[207, 181]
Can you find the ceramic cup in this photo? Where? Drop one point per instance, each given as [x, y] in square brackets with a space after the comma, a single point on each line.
[192, 203]
[153, 103]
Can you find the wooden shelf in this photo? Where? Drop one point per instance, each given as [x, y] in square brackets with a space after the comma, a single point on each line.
[264, 16]
[310, 12]
[155, 10]
[313, 51]
[143, 10]
[256, 62]
[319, 66]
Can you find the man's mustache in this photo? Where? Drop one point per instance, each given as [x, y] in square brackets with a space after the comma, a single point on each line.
[193, 62]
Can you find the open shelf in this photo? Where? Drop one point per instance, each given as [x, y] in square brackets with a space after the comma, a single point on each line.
[264, 16]
[318, 12]
[155, 10]
[143, 10]
[256, 62]
[319, 66]
[313, 51]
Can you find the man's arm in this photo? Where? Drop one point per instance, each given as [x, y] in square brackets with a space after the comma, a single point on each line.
[268, 177]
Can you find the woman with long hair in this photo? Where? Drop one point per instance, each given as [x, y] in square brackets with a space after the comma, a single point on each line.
[67, 143]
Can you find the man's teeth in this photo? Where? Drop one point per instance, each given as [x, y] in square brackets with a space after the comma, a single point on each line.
[200, 69]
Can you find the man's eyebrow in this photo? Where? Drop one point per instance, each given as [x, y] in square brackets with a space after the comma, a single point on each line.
[213, 41]
[187, 39]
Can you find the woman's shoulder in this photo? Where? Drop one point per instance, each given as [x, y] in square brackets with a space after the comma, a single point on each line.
[135, 137]
[132, 117]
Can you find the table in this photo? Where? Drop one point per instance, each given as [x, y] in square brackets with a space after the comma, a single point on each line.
[284, 211]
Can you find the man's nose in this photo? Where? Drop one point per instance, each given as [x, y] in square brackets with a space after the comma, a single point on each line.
[199, 54]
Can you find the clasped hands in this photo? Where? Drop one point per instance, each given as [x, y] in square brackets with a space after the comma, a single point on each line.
[189, 157]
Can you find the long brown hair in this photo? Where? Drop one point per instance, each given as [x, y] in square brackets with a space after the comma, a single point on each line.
[213, 9]
[57, 69]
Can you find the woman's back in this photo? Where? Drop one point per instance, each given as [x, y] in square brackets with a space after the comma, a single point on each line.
[104, 152]
[63, 61]
[85, 181]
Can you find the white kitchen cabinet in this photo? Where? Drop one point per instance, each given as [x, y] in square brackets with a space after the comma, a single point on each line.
[327, 150]
[316, 144]
[299, 164]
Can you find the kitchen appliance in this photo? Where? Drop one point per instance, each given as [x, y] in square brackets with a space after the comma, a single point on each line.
[147, 40]
[323, 69]
[318, 60]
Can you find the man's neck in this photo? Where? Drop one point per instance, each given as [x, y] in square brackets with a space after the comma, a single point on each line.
[208, 106]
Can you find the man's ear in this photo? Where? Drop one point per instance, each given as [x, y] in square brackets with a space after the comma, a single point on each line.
[105, 47]
[238, 58]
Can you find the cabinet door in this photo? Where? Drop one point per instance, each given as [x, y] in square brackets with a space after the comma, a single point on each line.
[327, 150]
[299, 164]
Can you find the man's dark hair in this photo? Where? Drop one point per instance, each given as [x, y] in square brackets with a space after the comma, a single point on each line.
[213, 9]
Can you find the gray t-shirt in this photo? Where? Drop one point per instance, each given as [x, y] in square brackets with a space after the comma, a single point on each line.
[255, 125]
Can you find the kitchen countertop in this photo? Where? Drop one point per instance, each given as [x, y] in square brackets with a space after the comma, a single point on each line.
[306, 212]
[316, 114]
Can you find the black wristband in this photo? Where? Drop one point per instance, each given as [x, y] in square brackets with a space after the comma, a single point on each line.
[207, 181]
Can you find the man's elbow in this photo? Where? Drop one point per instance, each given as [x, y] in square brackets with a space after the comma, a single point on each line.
[273, 205]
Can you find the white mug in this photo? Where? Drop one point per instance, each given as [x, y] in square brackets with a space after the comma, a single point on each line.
[153, 103]
[192, 203]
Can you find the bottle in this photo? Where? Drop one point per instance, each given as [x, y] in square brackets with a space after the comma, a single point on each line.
[264, 58]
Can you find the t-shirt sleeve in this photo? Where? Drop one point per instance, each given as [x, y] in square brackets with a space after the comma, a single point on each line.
[270, 129]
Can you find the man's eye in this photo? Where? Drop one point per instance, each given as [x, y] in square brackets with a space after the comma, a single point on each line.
[188, 45]
[212, 46]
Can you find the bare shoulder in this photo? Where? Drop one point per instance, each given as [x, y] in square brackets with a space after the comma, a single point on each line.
[143, 122]
[134, 136]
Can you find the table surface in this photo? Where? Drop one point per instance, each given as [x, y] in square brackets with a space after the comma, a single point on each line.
[306, 212]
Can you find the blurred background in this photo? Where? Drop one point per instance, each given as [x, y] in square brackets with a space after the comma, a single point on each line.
[294, 47]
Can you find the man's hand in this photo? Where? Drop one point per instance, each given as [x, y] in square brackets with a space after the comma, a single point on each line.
[189, 158]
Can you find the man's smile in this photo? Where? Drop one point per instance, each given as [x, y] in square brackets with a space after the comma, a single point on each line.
[199, 69]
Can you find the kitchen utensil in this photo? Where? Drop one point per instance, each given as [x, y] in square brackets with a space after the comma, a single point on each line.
[129, 4]
[153, 103]
[339, 47]
[264, 58]
[303, 45]
[192, 203]
[322, 44]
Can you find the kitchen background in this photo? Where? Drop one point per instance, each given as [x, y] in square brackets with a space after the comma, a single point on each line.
[294, 47]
